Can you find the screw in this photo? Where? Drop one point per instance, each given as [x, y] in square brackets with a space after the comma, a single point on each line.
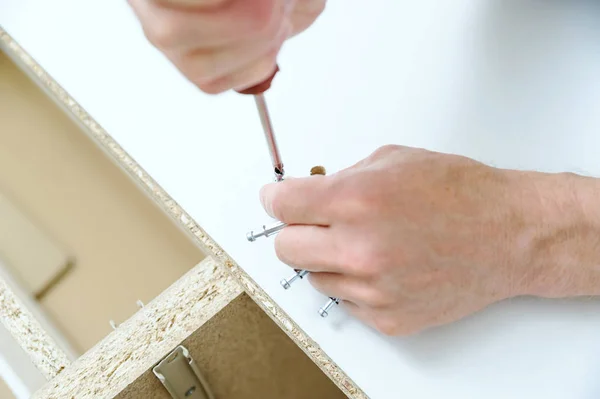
[324, 311]
[287, 283]
[267, 231]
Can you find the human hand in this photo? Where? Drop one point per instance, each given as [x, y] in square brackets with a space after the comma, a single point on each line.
[224, 44]
[411, 239]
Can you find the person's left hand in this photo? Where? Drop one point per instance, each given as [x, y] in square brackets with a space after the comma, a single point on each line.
[410, 239]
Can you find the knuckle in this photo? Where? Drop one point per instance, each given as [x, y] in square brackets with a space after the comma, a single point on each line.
[357, 261]
[362, 259]
[261, 71]
[351, 203]
[264, 15]
[206, 4]
[211, 87]
[357, 197]
[201, 68]
[198, 68]
[385, 150]
[392, 327]
[375, 298]
[163, 32]
[316, 280]
[386, 325]
[323, 283]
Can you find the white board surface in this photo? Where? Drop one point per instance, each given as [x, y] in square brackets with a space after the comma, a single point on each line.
[511, 83]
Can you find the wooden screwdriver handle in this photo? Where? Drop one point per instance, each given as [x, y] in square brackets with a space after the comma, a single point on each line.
[261, 87]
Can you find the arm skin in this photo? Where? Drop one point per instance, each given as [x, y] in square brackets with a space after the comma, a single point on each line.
[411, 239]
[566, 250]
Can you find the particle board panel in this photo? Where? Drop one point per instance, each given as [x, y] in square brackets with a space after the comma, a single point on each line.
[20, 322]
[243, 354]
[145, 338]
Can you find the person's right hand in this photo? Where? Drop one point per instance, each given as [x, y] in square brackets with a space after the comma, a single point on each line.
[224, 44]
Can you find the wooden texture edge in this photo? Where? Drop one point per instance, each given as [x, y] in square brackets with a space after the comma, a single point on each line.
[146, 337]
[43, 351]
[185, 221]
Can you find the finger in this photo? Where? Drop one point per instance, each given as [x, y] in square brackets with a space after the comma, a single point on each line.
[305, 13]
[168, 27]
[207, 65]
[345, 287]
[362, 313]
[303, 200]
[311, 248]
[195, 4]
[250, 76]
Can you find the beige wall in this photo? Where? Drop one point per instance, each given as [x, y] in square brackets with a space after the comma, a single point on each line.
[124, 247]
[5, 392]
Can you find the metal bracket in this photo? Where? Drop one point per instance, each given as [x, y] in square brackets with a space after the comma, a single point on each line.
[181, 377]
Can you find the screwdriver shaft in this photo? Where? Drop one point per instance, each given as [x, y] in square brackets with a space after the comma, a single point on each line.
[265, 120]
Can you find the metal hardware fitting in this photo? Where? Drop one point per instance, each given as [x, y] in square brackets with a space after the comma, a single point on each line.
[267, 231]
[287, 282]
[324, 311]
[181, 377]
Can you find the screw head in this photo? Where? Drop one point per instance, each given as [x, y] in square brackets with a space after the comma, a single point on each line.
[285, 284]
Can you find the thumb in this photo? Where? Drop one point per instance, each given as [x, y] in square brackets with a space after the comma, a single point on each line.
[298, 201]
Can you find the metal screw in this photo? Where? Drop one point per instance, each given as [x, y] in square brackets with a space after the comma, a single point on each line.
[287, 282]
[267, 231]
[324, 311]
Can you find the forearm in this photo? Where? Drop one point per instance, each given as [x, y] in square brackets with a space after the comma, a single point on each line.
[565, 250]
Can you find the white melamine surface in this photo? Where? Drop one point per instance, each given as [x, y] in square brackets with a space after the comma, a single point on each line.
[514, 83]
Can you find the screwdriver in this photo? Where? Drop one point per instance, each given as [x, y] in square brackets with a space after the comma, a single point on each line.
[261, 105]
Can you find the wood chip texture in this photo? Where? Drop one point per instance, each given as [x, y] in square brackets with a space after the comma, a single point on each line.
[148, 336]
[45, 354]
